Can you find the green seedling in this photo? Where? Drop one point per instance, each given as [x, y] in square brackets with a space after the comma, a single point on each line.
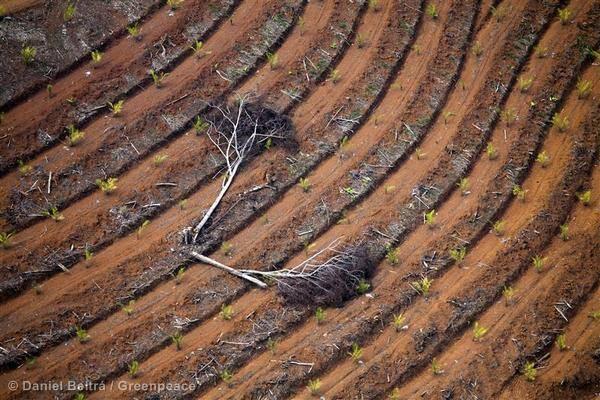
[226, 376]
[499, 12]
[464, 185]
[28, 54]
[391, 254]
[509, 293]
[458, 255]
[159, 159]
[177, 340]
[116, 108]
[538, 263]
[508, 116]
[82, 335]
[423, 286]
[478, 331]
[335, 76]
[107, 185]
[529, 371]
[540, 51]
[447, 115]
[585, 197]
[374, 5]
[363, 286]
[584, 88]
[595, 315]
[87, 256]
[198, 49]
[564, 232]
[272, 345]
[360, 41]
[69, 12]
[564, 15]
[96, 56]
[543, 159]
[420, 153]
[560, 122]
[477, 49]
[429, 218]
[5, 239]
[53, 213]
[436, 368]
[395, 395]
[498, 227]
[491, 151]
[75, 135]
[226, 249]
[133, 369]
[519, 192]
[134, 31]
[141, 228]
[30, 362]
[432, 11]
[344, 141]
[179, 275]
[268, 143]
[128, 308]
[158, 77]
[79, 396]
[174, 4]
[226, 312]
[273, 60]
[320, 315]
[200, 125]
[561, 342]
[398, 322]
[524, 84]
[356, 352]
[49, 88]
[313, 386]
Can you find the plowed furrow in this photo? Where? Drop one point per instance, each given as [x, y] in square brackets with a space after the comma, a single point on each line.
[121, 218]
[40, 122]
[523, 328]
[273, 379]
[129, 266]
[60, 44]
[150, 118]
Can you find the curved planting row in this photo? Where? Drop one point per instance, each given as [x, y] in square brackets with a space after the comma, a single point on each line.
[165, 39]
[150, 118]
[60, 37]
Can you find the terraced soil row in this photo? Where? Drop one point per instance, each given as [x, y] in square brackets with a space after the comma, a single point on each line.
[59, 44]
[82, 96]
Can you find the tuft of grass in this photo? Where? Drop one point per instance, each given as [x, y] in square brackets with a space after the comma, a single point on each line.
[509, 116]
[363, 286]
[320, 315]
[529, 371]
[423, 286]
[28, 54]
[477, 49]
[560, 122]
[509, 293]
[79, 396]
[314, 386]
[585, 197]
[543, 159]
[75, 135]
[398, 321]
[540, 51]
[134, 31]
[458, 255]
[356, 352]
[107, 185]
[491, 151]
[432, 11]
[478, 331]
[116, 108]
[498, 227]
[391, 255]
[226, 312]
[538, 263]
[177, 340]
[82, 335]
[133, 368]
[561, 342]
[564, 15]
[5, 239]
[53, 213]
[524, 84]
[429, 218]
[158, 77]
[304, 184]
[584, 88]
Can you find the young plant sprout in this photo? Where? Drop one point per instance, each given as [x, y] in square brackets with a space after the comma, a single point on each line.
[320, 315]
[519, 192]
[158, 77]
[564, 15]
[134, 31]
[30, 362]
[491, 151]
[226, 248]
[529, 371]
[226, 312]
[344, 141]
[422, 287]
[538, 263]
[179, 275]
[69, 12]
[79, 396]
[304, 184]
[499, 12]
[177, 340]
[82, 335]
[360, 41]
[107, 185]
[464, 185]
[5, 239]
[540, 51]
[159, 159]
[561, 342]
[432, 11]
[226, 376]
[24, 169]
[543, 159]
[429, 218]
[313, 386]
[75, 135]
[141, 228]
[560, 122]
[53, 213]
[200, 125]
[399, 322]
[128, 308]
[272, 345]
[273, 60]
[595, 315]
[498, 228]
[96, 56]
[419, 153]
[197, 47]
[174, 4]
[477, 49]
[458, 255]
[508, 116]
[478, 331]
[133, 369]
[391, 255]
[87, 256]
[116, 108]
[436, 368]
[268, 144]
[28, 54]
[584, 88]
[49, 88]
[356, 352]
[447, 115]
[509, 293]
[585, 197]
[363, 286]
[564, 232]
[525, 83]
[335, 76]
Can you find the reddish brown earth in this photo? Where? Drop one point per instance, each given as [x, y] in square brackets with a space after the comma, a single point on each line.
[417, 101]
